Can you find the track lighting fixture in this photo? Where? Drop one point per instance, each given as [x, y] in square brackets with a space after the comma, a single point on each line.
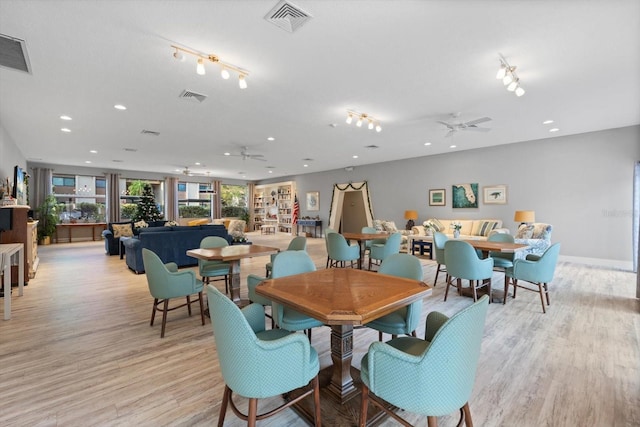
[507, 74]
[372, 123]
[179, 55]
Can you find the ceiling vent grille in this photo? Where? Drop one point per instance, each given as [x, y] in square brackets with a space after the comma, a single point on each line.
[13, 54]
[192, 96]
[287, 16]
[150, 132]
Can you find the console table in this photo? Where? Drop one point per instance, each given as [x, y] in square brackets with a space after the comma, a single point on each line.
[81, 225]
[316, 224]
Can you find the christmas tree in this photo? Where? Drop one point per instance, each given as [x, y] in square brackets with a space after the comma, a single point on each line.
[147, 209]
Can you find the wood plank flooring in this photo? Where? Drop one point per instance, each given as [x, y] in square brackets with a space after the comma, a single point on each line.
[79, 350]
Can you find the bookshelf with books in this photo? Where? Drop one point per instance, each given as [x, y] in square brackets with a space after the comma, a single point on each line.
[273, 204]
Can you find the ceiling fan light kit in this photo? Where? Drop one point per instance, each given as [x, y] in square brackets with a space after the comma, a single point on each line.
[372, 122]
[507, 74]
[469, 125]
[179, 55]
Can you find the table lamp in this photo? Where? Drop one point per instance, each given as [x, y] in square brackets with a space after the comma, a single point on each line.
[525, 217]
[410, 216]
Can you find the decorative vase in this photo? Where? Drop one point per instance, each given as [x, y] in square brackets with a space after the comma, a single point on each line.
[456, 234]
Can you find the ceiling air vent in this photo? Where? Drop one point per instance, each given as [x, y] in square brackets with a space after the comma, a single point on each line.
[287, 16]
[150, 132]
[371, 147]
[13, 54]
[193, 96]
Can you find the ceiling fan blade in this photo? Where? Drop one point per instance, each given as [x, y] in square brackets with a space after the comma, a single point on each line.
[477, 121]
[450, 133]
[448, 125]
[258, 158]
[476, 128]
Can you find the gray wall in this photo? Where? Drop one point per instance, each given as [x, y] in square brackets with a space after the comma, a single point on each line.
[581, 184]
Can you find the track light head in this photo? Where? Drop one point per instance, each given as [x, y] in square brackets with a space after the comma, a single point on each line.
[179, 56]
[519, 91]
[502, 71]
[242, 82]
[359, 122]
[513, 85]
[224, 73]
[378, 128]
[370, 125]
[200, 67]
[349, 118]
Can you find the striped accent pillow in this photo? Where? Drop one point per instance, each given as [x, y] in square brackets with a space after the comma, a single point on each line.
[486, 227]
[438, 224]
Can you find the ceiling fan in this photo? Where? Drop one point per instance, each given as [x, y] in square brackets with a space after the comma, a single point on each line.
[244, 153]
[470, 125]
[188, 172]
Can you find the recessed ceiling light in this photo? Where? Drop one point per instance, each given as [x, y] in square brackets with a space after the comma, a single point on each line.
[197, 163]
[93, 151]
[65, 130]
[427, 143]
[87, 161]
[355, 157]
[270, 171]
[547, 122]
[227, 154]
[65, 117]
[554, 130]
[271, 138]
[305, 165]
[452, 146]
[119, 107]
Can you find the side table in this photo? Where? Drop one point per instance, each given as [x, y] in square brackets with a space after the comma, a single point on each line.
[422, 244]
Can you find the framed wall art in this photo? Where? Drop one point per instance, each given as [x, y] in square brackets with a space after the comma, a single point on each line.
[495, 194]
[437, 197]
[313, 200]
[464, 195]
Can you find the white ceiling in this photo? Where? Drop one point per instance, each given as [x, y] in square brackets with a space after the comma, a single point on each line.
[407, 63]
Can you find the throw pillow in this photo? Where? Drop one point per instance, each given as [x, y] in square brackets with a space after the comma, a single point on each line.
[122, 230]
[140, 224]
[540, 231]
[390, 226]
[437, 224]
[377, 223]
[486, 227]
[171, 224]
[524, 232]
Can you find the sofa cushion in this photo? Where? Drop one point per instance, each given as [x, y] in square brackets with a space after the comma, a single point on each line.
[122, 230]
[541, 231]
[438, 225]
[524, 232]
[484, 227]
[141, 224]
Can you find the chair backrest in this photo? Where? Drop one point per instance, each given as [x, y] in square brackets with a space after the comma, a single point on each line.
[439, 239]
[402, 265]
[288, 263]
[450, 363]
[337, 247]
[213, 242]
[368, 230]
[462, 261]
[501, 237]
[392, 245]
[540, 271]
[158, 277]
[328, 231]
[298, 243]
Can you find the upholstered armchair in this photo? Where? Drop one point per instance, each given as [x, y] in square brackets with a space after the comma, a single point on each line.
[536, 235]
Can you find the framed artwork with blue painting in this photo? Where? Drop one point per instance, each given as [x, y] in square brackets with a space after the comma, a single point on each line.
[464, 195]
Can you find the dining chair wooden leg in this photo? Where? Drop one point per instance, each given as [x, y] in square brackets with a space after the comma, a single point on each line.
[541, 290]
[164, 316]
[432, 421]
[364, 405]
[468, 421]
[546, 292]
[153, 312]
[189, 305]
[316, 401]
[474, 287]
[379, 336]
[506, 289]
[223, 406]
[446, 291]
[201, 307]
[253, 412]
[514, 282]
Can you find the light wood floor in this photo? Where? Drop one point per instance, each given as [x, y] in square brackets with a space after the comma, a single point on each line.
[79, 350]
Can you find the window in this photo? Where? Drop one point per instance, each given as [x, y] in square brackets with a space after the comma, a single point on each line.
[234, 200]
[194, 201]
[80, 197]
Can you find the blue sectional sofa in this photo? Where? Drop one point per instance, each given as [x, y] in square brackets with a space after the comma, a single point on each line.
[112, 243]
[169, 243]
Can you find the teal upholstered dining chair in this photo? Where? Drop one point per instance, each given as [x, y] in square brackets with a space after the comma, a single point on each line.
[289, 263]
[535, 269]
[501, 260]
[340, 251]
[166, 282]
[403, 321]
[298, 243]
[434, 376]
[368, 243]
[328, 231]
[380, 251]
[463, 263]
[439, 239]
[256, 363]
[209, 269]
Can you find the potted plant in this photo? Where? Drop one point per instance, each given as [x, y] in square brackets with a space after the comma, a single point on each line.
[48, 218]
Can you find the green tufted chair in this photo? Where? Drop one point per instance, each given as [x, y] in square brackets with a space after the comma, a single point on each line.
[463, 263]
[209, 269]
[258, 363]
[535, 269]
[166, 282]
[289, 263]
[380, 251]
[403, 321]
[298, 243]
[434, 376]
